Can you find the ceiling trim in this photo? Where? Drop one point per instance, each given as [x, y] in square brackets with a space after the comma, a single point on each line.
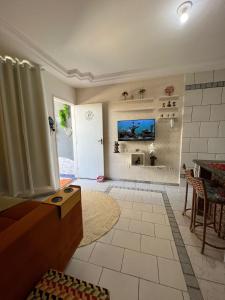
[46, 58]
[107, 78]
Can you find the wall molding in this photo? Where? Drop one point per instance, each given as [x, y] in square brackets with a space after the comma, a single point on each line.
[47, 61]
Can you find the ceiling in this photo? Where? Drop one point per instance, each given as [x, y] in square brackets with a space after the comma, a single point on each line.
[95, 42]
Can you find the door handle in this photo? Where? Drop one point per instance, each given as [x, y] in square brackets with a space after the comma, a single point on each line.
[101, 141]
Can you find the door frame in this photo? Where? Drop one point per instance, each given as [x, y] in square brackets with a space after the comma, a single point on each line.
[72, 105]
[77, 170]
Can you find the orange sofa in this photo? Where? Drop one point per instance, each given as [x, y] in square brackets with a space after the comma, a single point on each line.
[33, 238]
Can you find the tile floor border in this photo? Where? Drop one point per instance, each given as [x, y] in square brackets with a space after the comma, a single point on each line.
[189, 275]
[143, 181]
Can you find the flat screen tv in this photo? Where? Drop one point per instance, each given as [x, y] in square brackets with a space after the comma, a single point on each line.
[136, 130]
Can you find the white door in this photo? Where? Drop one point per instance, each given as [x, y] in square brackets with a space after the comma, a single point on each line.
[89, 139]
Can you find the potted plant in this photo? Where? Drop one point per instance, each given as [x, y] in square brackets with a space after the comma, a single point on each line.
[125, 94]
[153, 158]
[64, 114]
[141, 93]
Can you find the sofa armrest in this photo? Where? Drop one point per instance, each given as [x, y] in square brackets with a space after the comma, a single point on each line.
[35, 243]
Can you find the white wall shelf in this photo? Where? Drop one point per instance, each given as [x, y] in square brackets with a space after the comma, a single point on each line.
[168, 109]
[135, 100]
[156, 166]
[167, 118]
[165, 98]
[148, 166]
[130, 109]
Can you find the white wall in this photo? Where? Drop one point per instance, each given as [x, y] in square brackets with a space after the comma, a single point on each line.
[204, 117]
[55, 87]
[168, 140]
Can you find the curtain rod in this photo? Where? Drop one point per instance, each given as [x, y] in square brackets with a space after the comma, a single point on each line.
[16, 60]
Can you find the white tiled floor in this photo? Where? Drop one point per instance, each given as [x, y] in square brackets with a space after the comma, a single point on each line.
[139, 264]
[170, 274]
[121, 286]
[108, 256]
[127, 239]
[156, 246]
[152, 291]
[137, 259]
[163, 232]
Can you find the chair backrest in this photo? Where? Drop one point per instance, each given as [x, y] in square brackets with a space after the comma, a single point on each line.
[189, 175]
[199, 187]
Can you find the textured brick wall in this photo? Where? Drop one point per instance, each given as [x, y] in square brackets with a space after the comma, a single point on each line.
[204, 116]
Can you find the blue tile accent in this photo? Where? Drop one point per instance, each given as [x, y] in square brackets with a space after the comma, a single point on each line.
[207, 85]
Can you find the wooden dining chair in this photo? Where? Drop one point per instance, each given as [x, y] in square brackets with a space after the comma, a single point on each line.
[189, 174]
[211, 196]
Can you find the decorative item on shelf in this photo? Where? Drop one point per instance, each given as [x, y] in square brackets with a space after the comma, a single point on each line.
[173, 115]
[174, 103]
[141, 92]
[169, 104]
[164, 105]
[153, 158]
[123, 148]
[116, 147]
[51, 124]
[137, 150]
[168, 115]
[152, 155]
[161, 116]
[138, 161]
[125, 94]
[171, 122]
[169, 90]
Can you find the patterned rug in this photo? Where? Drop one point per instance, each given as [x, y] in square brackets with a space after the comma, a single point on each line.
[56, 285]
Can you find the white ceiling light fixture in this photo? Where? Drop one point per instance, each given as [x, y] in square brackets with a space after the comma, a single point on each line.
[183, 11]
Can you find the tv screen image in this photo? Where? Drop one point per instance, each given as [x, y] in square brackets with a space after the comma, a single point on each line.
[136, 130]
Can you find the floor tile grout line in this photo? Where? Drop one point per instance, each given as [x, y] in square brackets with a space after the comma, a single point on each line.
[141, 278]
[177, 245]
[128, 274]
[157, 267]
[100, 276]
[142, 252]
[139, 281]
[92, 251]
[174, 209]
[172, 223]
[92, 263]
[211, 281]
[122, 260]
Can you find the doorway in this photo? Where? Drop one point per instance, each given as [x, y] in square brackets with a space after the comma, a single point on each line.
[64, 125]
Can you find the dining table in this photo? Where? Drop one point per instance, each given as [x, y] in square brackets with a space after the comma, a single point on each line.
[210, 169]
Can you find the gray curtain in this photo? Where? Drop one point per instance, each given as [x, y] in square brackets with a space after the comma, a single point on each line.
[25, 161]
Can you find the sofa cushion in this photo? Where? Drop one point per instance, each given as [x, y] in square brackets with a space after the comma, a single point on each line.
[20, 210]
[5, 222]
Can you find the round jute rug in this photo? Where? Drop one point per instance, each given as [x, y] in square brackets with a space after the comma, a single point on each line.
[100, 213]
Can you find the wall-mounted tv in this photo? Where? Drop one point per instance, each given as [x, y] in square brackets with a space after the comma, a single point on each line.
[136, 130]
